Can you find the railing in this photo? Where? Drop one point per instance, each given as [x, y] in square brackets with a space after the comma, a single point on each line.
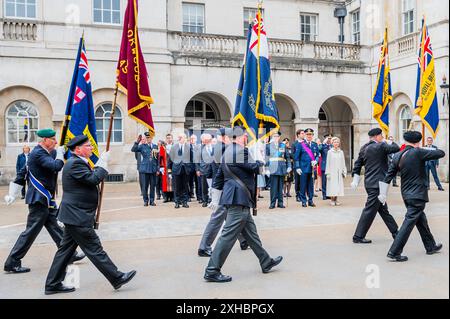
[334, 51]
[407, 44]
[19, 30]
[191, 43]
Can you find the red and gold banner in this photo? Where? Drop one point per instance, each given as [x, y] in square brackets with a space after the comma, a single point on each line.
[132, 74]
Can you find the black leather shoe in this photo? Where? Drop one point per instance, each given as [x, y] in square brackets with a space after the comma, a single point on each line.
[397, 258]
[217, 278]
[17, 269]
[361, 241]
[204, 253]
[435, 249]
[272, 264]
[185, 205]
[304, 205]
[60, 289]
[244, 246]
[441, 189]
[271, 207]
[281, 206]
[145, 204]
[177, 205]
[205, 204]
[152, 204]
[126, 277]
[77, 257]
[165, 201]
[311, 205]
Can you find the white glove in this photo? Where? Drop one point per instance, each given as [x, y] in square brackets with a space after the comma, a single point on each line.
[384, 188]
[299, 171]
[170, 176]
[161, 170]
[215, 198]
[313, 163]
[289, 170]
[103, 160]
[355, 182]
[14, 192]
[60, 151]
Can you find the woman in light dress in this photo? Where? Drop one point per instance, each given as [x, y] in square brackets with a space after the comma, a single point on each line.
[336, 172]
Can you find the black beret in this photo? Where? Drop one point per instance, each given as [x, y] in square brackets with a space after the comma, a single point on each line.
[328, 135]
[77, 141]
[309, 130]
[147, 134]
[412, 137]
[375, 132]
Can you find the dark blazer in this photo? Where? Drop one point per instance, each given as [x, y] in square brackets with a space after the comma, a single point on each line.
[178, 160]
[149, 163]
[80, 192]
[21, 162]
[44, 168]
[277, 159]
[374, 157]
[206, 162]
[243, 166]
[324, 148]
[412, 171]
[302, 159]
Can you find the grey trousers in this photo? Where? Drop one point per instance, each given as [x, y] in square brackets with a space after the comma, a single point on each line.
[213, 228]
[239, 220]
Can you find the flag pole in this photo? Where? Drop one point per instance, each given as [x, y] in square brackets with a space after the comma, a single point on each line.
[108, 144]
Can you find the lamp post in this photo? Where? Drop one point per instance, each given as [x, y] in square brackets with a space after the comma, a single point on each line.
[444, 89]
[341, 13]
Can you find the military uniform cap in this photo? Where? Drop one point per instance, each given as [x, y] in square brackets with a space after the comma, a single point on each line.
[412, 137]
[46, 132]
[375, 132]
[328, 135]
[77, 141]
[309, 130]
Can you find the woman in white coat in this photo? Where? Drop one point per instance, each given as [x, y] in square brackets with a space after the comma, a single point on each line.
[336, 172]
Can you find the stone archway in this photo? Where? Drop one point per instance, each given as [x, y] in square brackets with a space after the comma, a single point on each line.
[287, 112]
[335, 116]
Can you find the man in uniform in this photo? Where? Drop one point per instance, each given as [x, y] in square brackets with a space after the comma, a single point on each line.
[411, 164]
[324, 149]
[181, 157]
[278, 164]
[78, 207]
[374, 157]
[204, 166]
[43, 165]
[300, 134]
[149, 167]
[306, 158]
[432, 166]
[234, 188]
[219, 212]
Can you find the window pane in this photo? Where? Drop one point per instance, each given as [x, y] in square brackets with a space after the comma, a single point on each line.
[31, 11]
[97, 16]
[20, 10]
[99, 124]
[100, 137]
[106, 16]
[189, 114]
[10, 12]
[106, 4]
[117, 136]
[97, 4]
[116, 5]
[117, 124]
[12, 137]
[12, 124]
[116, 17]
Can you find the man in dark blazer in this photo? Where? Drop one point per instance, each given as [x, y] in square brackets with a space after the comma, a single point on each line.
[44, 163]
[180, 164]
[411, 164]
[373, 156]
[432, 165]
[21, 162]
[77, 213]
[204, 167]
[233, 188]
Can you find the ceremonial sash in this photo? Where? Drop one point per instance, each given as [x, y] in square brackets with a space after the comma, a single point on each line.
[41, 189]
[308, 151]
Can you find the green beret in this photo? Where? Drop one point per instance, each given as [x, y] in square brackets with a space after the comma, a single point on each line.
[46, 132]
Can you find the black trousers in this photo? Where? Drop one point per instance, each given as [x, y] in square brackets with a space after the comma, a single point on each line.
[140, 178]
[87, 239]
[181, 187]
[39, 216]
[297, 185]
[205, 189]
[276, 189]
[195, 182]
[148, 181]
[429, 167]
[158, 186]
[324, 185]
[415, 216]
[374, 206]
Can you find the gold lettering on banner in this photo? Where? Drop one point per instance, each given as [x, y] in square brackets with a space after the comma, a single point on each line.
[124, 66]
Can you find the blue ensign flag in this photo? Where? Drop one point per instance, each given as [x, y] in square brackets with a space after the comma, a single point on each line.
[80, 105]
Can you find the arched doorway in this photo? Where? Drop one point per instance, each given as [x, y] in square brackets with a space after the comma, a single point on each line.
[335, 117]
[205, 111]
[287, 112]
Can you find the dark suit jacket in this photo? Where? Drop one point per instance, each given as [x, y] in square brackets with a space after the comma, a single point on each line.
[412, 171]
[243, 166]
[178, 160]
[206, 162]
[80, 192]
[324, 149]
[44, 168]
[21, 162]
[432, 162]
[374, 157]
